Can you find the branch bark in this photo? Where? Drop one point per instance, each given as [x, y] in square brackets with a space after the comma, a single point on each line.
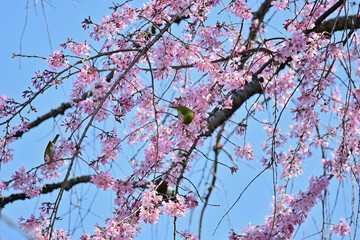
[339, 24]
[219, 116]
[45, 189]
[258, 15]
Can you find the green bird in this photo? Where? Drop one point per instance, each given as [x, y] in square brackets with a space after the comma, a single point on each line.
[48, 152]
[186, 114]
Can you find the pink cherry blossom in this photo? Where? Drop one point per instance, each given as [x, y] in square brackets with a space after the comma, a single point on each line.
[79, 49]
[188, 236]
[341, 229]
[175, 208]
[57, 60]
[280, 5]
[240, 9]
[103, 180]
[245, 152]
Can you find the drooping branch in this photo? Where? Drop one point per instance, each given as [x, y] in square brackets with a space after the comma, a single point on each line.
[212, 186]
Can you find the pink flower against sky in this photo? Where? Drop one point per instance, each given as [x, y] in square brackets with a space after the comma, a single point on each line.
[57, 60]
[341, 229]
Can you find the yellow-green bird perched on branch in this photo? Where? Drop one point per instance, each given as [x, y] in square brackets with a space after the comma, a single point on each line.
[49, 152]
[186, 114]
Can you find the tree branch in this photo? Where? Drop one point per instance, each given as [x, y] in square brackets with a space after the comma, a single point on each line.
[219, 116]
[53, 113]
[258, 15]
[328, 12]
[339, 24]
[45, 189]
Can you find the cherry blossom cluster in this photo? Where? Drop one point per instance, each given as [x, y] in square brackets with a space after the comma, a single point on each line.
[341, 229]
[35, 226]
[57, 60]
[288, 211]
